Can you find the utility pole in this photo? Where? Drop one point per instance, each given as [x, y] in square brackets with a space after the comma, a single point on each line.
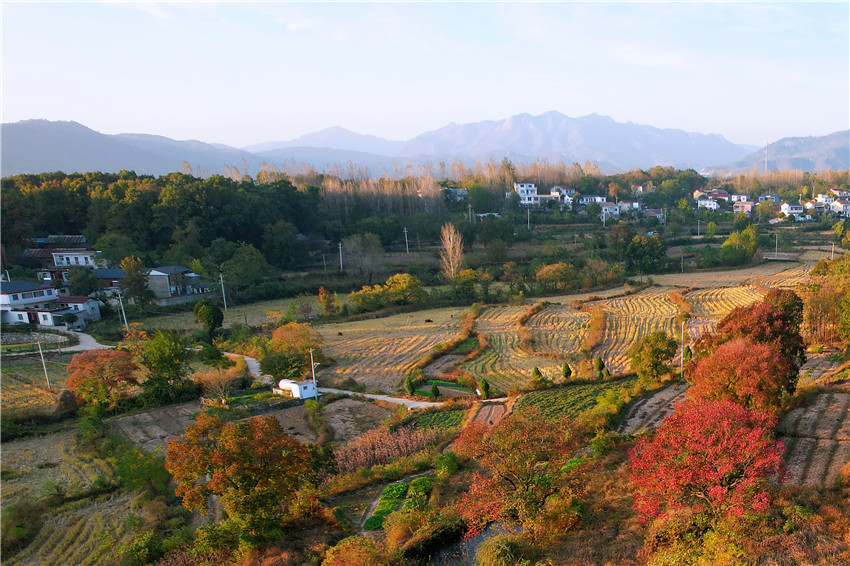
[528, 218]
[340, 256]
[682, 359]
[406, 245]
[43, 365]
[124, 314]
[776, 253]
[698, 221]
[683, 263]
[223, 295]
[832, 255]
[313, 371]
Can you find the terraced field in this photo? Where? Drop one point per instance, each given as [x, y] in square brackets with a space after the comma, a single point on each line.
[49, 462]
[153, 429]
[84, 535]
[558, 329]
[817, 439]
[377, 353]
[648, 412]
[709, 306]
[507, 362]
[630, 318]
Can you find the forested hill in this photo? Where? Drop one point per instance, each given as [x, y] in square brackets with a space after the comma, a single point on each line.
[176, 218]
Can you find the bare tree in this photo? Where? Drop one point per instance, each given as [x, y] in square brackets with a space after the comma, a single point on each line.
[451, 254]
[362, 252]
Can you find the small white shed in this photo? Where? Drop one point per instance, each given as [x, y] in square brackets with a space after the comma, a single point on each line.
[298, 389]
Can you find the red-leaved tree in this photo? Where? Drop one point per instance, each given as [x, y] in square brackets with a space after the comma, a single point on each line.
[97, 376]
[523, 463]
[761, 323]
[713, 458]
[753, 375]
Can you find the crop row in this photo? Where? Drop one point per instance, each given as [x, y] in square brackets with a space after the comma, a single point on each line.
[88, 535]
[570, 400]
[717, 303]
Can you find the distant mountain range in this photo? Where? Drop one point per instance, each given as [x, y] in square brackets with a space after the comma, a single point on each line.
[35, 146]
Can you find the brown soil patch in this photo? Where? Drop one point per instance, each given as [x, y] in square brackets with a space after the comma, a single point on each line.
[350, 418]
[294, 421]
[648, 412]
[441, 365]
[153, 429]
[491, 413]
[817, 439]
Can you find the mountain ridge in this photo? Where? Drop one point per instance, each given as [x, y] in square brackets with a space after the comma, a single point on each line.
[35, 146]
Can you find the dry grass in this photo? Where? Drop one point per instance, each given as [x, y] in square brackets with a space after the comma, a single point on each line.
[24, 387]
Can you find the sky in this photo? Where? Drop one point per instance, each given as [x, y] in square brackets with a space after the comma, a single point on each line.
[246, 73]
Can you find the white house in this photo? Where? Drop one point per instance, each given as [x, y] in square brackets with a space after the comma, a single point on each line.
[588, 199]
[790, 209]
[527, 193]
[20, 301]
[739, 198]
[24, 302]
[840, 206]
[826, 199]
[297, 389]
[609, 210]
[708, 203]
[769, 196]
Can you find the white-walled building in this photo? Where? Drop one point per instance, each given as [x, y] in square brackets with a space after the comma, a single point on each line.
[297, 389]
[707, 203]
[840, 206]
[791, 209]
[24, 302]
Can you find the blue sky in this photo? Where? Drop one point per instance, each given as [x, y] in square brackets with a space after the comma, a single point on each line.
[243, 73]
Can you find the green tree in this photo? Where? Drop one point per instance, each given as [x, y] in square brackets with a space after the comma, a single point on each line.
[566, 370]
[166, 360]
[408, 386]
[82, 281]
[404, 289]
[651, 356]
[208, 315]
[711, 230]
[484, 388]
[284, 366]
[435, 391]
[246, 267]
[135, 281]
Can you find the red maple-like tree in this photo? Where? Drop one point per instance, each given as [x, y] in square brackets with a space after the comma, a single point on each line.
[750, 374]
[713, 458]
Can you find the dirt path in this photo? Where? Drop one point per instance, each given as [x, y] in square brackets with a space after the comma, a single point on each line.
[648, 412]
[491, 413]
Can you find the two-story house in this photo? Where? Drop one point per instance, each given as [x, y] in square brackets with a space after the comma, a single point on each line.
[59, 253]
[175, 284]
[840, 206]
[26, 302]
[791, 209]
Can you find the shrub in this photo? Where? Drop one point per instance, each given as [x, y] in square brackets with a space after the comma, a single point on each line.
[446, 465]
[502, 550]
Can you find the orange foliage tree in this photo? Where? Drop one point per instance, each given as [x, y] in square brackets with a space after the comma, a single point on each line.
[252, 464]
[755, 376]
[96, 376]
[525, 463]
